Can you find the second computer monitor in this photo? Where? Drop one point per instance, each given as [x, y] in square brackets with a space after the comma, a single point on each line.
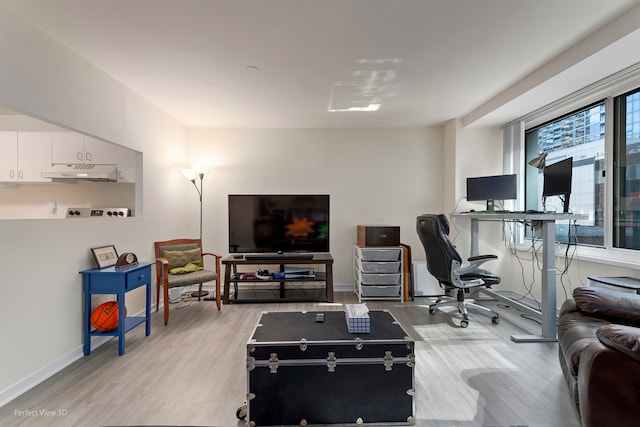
[557, 180]
[491, 188]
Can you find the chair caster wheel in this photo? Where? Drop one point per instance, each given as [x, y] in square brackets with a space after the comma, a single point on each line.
[432, 311]
[464, 323]
[495, 320]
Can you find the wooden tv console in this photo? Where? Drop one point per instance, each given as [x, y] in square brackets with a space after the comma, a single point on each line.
[231, 272]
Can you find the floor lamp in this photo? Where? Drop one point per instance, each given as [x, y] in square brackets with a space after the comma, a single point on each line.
[191, 175]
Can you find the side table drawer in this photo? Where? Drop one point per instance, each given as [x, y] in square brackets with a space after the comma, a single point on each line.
[137, 278]
[103, 284]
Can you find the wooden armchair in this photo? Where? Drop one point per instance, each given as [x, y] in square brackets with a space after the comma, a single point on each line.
[182, 256]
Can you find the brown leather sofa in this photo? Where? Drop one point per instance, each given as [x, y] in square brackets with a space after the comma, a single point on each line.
[599, 351]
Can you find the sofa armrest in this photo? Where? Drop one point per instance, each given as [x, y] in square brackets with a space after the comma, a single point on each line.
[568, 306]
[608, 387]
[608, 303]
[625, 339]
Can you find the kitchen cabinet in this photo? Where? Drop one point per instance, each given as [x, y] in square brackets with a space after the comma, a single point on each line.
[75, 148]
[67, 147]
[25, 155]
[9, 157]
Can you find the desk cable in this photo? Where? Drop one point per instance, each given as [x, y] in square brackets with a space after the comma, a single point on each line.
[534, 248]
[452, 222]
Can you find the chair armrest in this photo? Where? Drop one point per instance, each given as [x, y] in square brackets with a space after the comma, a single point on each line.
[475, 262]
[482, 257]
[162, 269]
[217, 257]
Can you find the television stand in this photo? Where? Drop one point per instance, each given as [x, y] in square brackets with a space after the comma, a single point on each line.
[278, 256]
[283, 293]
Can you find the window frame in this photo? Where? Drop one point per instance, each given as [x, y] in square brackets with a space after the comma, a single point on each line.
[607, 89]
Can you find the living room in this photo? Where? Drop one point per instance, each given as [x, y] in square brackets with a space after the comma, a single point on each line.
[386, 175]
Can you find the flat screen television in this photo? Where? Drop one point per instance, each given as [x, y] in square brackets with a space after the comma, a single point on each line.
[278, 223]
[557, 180]
[491, 188]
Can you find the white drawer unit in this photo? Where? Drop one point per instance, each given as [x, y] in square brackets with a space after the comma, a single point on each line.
[378, 272]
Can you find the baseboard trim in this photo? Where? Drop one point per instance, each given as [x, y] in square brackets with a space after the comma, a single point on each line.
[342, 288]
[24, 385]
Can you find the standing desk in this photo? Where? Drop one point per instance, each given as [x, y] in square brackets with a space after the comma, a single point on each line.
[547, 221]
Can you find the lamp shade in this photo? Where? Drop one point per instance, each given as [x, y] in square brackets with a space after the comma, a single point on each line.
[190, 174]
[539, 161]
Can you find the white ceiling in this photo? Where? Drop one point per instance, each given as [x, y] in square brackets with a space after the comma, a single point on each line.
[424, 61]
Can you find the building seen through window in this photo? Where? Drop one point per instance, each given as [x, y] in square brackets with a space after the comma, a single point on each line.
[626, 181]
[580, 135]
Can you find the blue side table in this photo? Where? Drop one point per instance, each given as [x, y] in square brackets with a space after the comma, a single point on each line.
[116, 281]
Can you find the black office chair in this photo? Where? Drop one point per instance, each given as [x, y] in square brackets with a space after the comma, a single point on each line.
[445, 264]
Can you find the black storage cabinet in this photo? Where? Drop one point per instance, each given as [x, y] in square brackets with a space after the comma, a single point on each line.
[302, 372]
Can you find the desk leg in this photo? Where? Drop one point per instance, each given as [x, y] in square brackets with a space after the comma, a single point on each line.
[86, 323]
[121, 323]
[549, 332]
[474, 237]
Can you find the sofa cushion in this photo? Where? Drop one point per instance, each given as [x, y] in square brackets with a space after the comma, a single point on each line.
[622, 338]
[608, 303]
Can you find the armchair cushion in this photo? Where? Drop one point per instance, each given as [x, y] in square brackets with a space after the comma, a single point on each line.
[625, 339]
[189, 268]
[178, 259]
[200, 276]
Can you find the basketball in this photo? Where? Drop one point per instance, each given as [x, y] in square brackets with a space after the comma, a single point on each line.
[105, 316]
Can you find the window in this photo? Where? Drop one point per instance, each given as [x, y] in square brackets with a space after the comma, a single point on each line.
[599, 127]
[581, 135]
[626, 180]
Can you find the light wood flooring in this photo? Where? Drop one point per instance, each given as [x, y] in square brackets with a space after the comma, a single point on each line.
[192, 372]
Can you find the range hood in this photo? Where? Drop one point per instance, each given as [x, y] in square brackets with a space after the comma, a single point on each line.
[82, 172]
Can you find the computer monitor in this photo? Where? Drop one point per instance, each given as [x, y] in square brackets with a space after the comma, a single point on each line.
[491, 188]
[557, 180]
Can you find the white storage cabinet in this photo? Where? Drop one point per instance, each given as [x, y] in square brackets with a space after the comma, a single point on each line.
[378, 272]
[24, 156]
[75, 148]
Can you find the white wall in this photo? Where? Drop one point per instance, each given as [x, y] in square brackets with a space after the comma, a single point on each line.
[41, 304]
[373, 176]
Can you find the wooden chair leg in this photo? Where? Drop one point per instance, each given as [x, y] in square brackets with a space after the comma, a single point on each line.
[166, 305]
[158, 296]
[218, 293]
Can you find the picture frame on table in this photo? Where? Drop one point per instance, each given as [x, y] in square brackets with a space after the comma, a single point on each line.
[105, 256]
